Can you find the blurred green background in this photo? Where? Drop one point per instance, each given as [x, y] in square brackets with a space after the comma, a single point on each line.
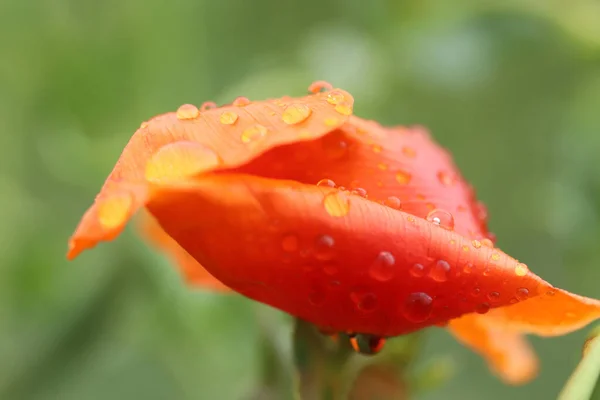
[512, 88]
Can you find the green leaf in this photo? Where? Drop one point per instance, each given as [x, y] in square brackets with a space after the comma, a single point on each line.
[584, 379]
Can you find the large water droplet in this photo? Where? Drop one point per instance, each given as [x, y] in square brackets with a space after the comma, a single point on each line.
[383, 268]
[441, 218]
[187, 111]
[522, 293]
[319, 86]
[363, 300]
[289, 243]
[228, 118]
[335, 97]
[482, 308]
[521, 269]
[254, 133]
[180, 159]
[295, 113]
[336, 204]
[393, 202]
[344, 108]
[418, 307]
[324, 248]
[326, 183]
[440, 271]
[403, 177]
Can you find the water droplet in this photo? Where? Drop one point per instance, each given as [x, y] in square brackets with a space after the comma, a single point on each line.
[241, 101]
[144, 125]
[403, 177]
[316, 296]
[326, 183]
[295, 113]
[409, 152]
[324, 248]
[441, 218]
[335, 97]
[359, 192]
[180, 159]
[468, 268]
[446, 179]
[289, 243]
[334, 147]
[383, 268]
[475, 292]
[336, 204]
[417, 270]
[482, 308]
[487, 272]
[439, 271]
[551, 292]
[493, 296]
[495, 257]
[521, 269]
[254, 133]
[344, 108]
[393, 202]
[476, 244]
[319, 86]
[331, 121]
[363, 300]
[487, 243]
[228, 118]
[114, 211]
[522, 293]
[418, 307]
[187, 111]
[208, 105]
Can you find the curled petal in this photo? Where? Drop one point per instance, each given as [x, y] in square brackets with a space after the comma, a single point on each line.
[189, 142]
[331, 257]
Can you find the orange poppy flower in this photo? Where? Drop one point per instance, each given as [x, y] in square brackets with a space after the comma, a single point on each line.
[336, 220]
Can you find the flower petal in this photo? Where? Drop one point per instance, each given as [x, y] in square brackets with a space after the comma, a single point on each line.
[507, 351]
[193, 272]
[190, 141]
[333, 258]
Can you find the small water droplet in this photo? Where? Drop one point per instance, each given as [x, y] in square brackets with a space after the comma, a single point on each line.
[487, 272]
[476, 244]
[364, 300]
[324, 248]
[393, 202]
[228, 118]
[254, 133]
[208, 105]
[326, 183]
[409, 152]
[241, 101]
[418, 307]
[446, 178]
[336, 204]
[439, 271]
[319, 86]
[383, 268]
[441, 218]
[359, 192]
[522, 293]
[403, 177]
[521, 269]
[187, 111]
[493, 296]
[468, 268]
[335, 97]
[475, 292]
[495, 256]
[344, 108]
[289, 243]
[144, 125]
[316, 296]
[334, 147]
[295, 113]
[487, 243]
[417, 270]
[482, 308]
[331, 121]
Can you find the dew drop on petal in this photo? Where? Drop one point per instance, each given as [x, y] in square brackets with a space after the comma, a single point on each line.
[324, 248]
[363, 300]
[417, 270]
[522, 293]
[180, 159]
[334, 147]
[228, 118]
[446, 179]
[403, 177]
[253, 133]
[336, 204]
[344, 108]
[335, 97]
[295, 113]
[289, 243]
[468, 268]
[475, 292]
[326, 183]
[187, 111]
[521, 269]
[482, 308]
[393, 202]
[113, 211]
[418, 307]
[241, 101]
[144, 125]
[319, 86]
[476, 244]
[493, 296]
[383, 268]
[359, 192]
[440, 271]
[495, 257]
[208, 105]
[487, 243]
[441, 218]
[331, 121]
[487, 272]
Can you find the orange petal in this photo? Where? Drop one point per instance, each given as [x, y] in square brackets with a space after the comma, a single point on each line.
[190, 141]
[193, 272]
[335, 259]
[507, 352]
